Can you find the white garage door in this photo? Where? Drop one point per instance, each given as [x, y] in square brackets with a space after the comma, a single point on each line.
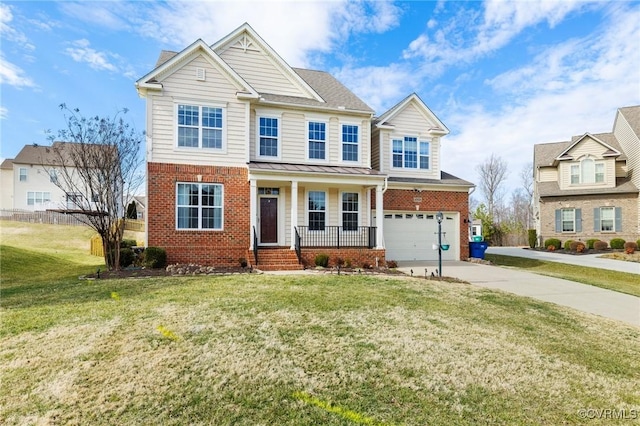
[411, 236]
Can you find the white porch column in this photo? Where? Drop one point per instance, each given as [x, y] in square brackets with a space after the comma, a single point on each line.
[379, 217]
[294, 212]
[253, 210]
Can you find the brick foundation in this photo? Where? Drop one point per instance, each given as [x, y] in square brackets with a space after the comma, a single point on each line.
[219, 248]
[359, 257]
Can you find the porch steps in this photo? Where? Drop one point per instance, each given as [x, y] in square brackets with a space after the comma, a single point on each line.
[275, 259]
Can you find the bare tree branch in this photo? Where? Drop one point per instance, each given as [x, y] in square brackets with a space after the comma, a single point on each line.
[493, 172]
[96, 162]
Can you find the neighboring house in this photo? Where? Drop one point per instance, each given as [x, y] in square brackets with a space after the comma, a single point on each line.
[140, 202]
[28, 181]
[250, 158]
[588, 187]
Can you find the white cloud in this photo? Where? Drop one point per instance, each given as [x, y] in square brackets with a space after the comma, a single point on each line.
[82, 52]
[13, 75]
[4, 113]
[566, 90]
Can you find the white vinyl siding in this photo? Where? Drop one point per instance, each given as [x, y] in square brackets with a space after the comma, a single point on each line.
[257, 69]
[182, 87]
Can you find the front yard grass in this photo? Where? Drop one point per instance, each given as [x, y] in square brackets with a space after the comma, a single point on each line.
[298, 350]
[612, 280]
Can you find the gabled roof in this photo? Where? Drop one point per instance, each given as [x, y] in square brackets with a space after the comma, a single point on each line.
[246, 30]
[7, 164]
[58, 154]
[439, 127]
[170, 61]
[610, 152]
[632, 115]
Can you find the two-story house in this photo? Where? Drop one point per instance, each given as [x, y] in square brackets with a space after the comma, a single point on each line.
[30, 181]
[588, 187]
[250, 158]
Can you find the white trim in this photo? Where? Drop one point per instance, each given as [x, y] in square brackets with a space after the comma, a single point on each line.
[199, 228]
[199, 149]
[326, 123]
[342, 123]
[263, 114]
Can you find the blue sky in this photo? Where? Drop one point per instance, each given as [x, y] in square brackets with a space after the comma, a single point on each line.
[502, 75]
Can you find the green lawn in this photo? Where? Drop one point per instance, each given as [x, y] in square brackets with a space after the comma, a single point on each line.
[612, 280]
[298, 350]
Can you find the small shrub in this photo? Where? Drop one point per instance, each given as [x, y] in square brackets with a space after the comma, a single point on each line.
[580, 247]
[600, 245]
[243, 262]
[630, 247]
[322, 259]
[126, 257]
[391, 264]
[366, 265]
[556, 243]
[567, 245]
[533, 238]
[590, 242]
[339, 261]
[551, 247]
[155, 257]
[128, 243]
[347, 263]
[617, 243]
[573, 245]
[638, 242]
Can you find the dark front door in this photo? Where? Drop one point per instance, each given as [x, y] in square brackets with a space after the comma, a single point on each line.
[268, 220]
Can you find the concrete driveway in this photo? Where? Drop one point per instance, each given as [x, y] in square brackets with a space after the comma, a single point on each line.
[591, 260]
[585, 298]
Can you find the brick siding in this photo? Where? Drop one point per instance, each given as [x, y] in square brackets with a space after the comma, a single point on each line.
[587, 203]
[357, 256]
[220, 248]
[431, 201]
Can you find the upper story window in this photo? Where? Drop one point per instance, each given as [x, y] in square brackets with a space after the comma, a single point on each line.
[350, 211]
[587, 171]
[199, 206]
[200, 126]
[317, 140]
[350, 140]
[317, 210]
[409, 153]
[23, 174]
[53, 176]
[268, 130]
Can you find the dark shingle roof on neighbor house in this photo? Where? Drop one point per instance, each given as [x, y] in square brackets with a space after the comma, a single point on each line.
[544, 154]
[58, 154]
[552, 189]
[632, 115]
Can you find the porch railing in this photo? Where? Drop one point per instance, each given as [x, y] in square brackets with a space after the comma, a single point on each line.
[298, 246]
[255, 245]
[337, 236]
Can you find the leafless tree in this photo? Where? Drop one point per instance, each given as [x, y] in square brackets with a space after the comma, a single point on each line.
[526, 177]
[493, 172]
[95, 162]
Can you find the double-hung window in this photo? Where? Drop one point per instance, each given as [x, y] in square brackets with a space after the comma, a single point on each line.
[587, 171]
[317, 208]
[268, 144]
[23, 174]
[350, 211]
[200, 126]
[409, 153]
[53, 176]
[607, 219]
[350, 140]
[568, 220]
[199, 206]
[317, 140]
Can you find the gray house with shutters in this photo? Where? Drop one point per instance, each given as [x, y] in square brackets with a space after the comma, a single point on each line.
[587, 187]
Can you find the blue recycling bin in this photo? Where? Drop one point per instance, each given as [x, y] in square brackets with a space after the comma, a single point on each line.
[477, 249]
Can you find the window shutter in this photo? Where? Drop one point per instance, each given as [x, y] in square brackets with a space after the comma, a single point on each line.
[618, 225]
[578, 220]
[596, 219]
[558, 220]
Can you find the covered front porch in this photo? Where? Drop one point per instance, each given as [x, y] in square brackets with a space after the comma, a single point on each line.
[308, 209]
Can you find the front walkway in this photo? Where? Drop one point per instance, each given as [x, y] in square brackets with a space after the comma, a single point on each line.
[583, 297]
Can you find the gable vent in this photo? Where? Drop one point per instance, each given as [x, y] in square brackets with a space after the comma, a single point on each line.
[200, 74]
